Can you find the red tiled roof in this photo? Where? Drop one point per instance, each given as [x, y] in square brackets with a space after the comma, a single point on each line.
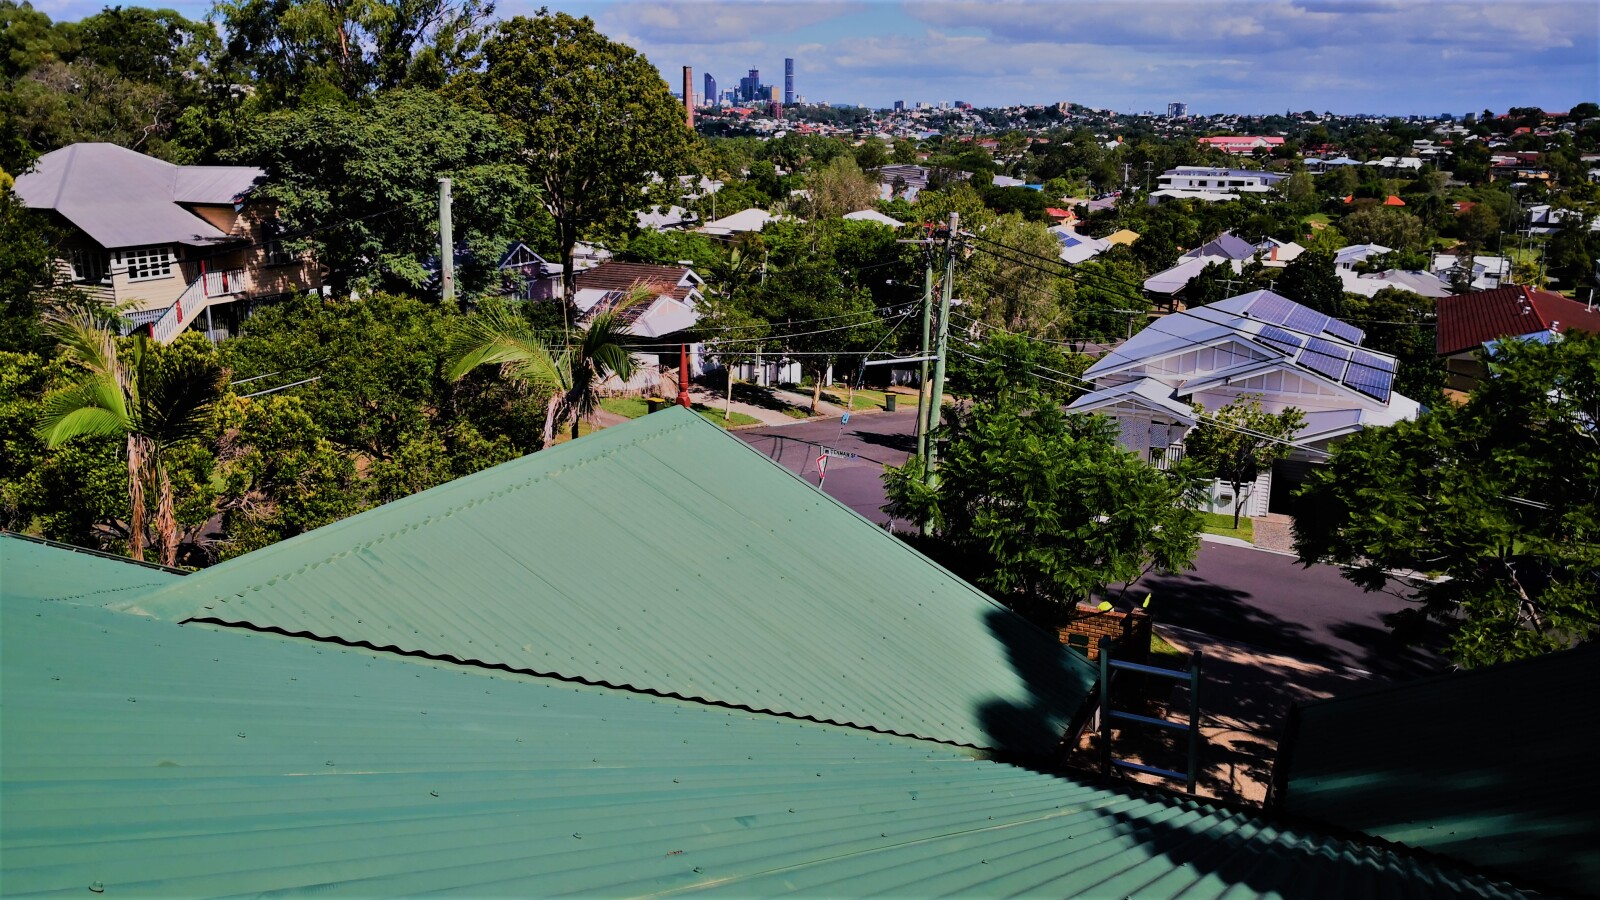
[1469, 320]
[1054, 213]
[1394, 201]
[625, 276]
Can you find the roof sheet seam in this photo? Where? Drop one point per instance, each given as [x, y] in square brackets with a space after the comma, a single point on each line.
[627, 688]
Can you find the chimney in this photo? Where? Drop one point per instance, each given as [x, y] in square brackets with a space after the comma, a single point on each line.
[688, 96]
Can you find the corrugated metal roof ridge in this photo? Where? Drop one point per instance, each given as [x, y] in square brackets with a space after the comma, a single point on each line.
[541, 468]
[673, 419]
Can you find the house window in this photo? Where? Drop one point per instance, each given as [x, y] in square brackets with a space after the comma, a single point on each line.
[273, 251]
[146, 263]
[89, 266]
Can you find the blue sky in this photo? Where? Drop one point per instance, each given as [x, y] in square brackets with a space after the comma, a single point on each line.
[1348, 56]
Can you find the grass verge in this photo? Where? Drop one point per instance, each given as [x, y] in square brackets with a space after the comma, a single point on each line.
[1222, 524]
[734, 419]
[627, 407]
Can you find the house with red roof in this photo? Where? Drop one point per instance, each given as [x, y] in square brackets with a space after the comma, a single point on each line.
[1241, 144]
[1470, 322]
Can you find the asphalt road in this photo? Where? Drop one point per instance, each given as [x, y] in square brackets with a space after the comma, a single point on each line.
[1237, 593]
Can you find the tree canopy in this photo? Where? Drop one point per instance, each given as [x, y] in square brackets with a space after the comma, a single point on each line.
[589, 118]
[1495, 501]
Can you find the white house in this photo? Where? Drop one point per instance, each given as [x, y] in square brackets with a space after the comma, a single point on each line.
[1488, 272]
[1258, 344]
[1348, 257]
[752, 219]
[1203, 182]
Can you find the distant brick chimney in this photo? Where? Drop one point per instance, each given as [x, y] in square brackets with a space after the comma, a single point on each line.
[688, 96]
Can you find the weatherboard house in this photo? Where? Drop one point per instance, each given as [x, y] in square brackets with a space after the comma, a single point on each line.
[176, 246]
[473, 690]
[1260, 345]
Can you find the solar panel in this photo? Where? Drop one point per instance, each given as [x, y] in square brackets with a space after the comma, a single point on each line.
[1286, 340]
[1325, 357]
[1371, 375]
[1305, 319]
[1271, 308]
[1343, 331]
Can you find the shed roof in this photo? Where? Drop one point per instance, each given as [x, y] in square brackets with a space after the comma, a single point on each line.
[147, 758]
[1467, 321]
[666, 556]
[1413, 763]
[125, 199]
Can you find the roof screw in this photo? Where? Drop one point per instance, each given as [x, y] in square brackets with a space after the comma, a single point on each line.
[697, 870]
[97, 887]
[330, 762]
[577, 835]
[241, 734]
[433, 793]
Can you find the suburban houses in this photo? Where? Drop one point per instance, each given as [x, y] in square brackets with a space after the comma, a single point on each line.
[1213, 184]
[1471, 324]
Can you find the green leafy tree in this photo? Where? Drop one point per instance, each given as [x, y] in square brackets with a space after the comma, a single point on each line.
[1311, 279]
[1213, 283]
[837, 188]
[1401, 323]
[280, 475]
[1388, 226]
[1240, 440]
[1496, 496]
[305, 52]
[1043, 509]
[590, 118]
[153, 403]
[361, 185]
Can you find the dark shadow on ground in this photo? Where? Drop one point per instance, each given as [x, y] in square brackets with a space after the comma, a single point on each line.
[903, 443]
[759, 395]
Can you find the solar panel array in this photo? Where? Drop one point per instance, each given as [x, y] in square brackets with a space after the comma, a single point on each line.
[1278, 310]
[1357, 369]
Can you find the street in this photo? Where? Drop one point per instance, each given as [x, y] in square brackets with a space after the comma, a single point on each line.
[1237, 593]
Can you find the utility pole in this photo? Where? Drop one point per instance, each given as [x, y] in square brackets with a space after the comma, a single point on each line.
[447, 245]
[936, 400]
[1149, 164]
[922, 368]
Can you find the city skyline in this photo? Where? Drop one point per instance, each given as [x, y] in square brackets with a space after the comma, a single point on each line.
[1242, 56]
[1345, 56]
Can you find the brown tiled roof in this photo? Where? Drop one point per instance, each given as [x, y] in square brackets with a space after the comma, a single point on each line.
[1469, 320]
[625, 276]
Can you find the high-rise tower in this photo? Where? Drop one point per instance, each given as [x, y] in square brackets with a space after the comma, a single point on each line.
[709, 97]
[788, 81]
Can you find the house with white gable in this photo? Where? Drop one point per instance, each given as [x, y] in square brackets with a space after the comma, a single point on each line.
[1258, 344]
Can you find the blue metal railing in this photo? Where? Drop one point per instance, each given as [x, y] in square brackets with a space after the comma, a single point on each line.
[1108, 668]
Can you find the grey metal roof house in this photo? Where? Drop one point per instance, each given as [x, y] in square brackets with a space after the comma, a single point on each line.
[175, 245]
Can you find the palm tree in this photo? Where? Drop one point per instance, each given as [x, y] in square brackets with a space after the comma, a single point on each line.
[572, 365]
[127, 394]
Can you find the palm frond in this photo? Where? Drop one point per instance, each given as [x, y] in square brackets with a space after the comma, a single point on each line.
[176, 402]
[94, 406]
[494, 337]
[83, 339]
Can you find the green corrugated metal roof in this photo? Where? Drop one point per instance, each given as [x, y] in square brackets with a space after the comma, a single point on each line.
[1495, 767]
[31, 568]
[664, 555]
[142, 757]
